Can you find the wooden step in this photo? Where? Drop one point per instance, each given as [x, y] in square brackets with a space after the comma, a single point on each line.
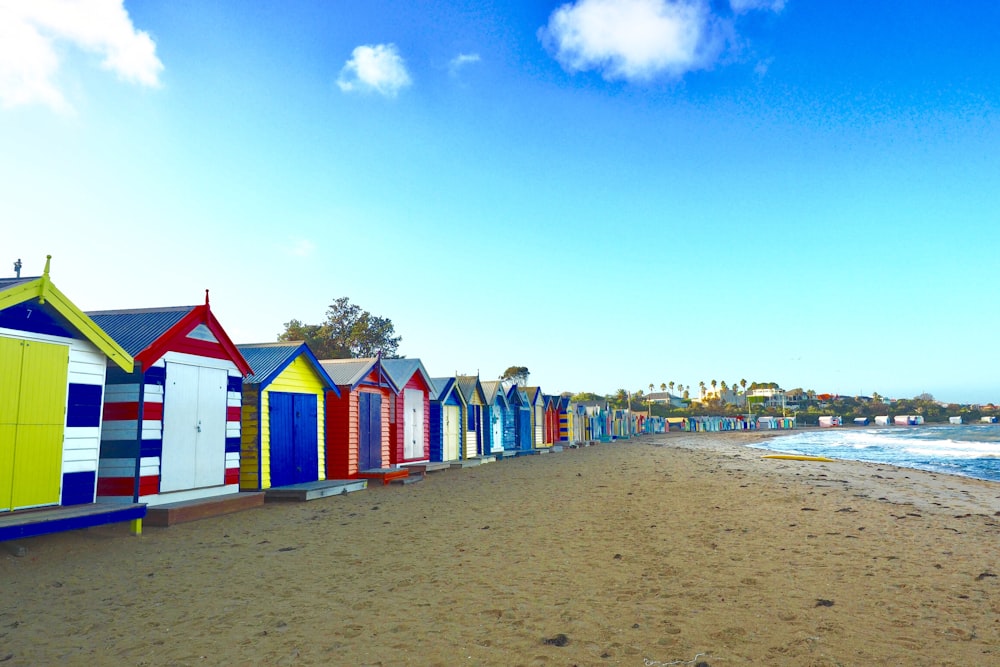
[42, 521]
[427, 466]
[169, 514]
[385, 475]
[411, 479]
[315, 490]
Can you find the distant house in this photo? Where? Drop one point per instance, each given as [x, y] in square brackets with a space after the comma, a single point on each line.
[665, 398]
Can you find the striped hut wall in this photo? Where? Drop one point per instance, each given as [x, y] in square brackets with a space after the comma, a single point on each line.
[82, 436]
[234, 414]
[132, 434]
[249, 443]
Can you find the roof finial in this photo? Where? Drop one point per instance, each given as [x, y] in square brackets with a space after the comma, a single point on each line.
[206, 297]
[48, 260]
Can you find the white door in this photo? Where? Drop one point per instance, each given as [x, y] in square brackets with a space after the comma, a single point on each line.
[413, 424]
[452, 426]
[210, 469]
[495, 415]
[194, 428]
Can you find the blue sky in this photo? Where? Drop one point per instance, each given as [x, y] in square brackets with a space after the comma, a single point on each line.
[612, 193]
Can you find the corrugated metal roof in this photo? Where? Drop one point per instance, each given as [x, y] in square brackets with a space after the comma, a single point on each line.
[7, 283]
[269, 359]
[401, 370]
[266, 358]
[138, 328]
[441, 387]
[493, 389]
[347, 371]
[467, 385]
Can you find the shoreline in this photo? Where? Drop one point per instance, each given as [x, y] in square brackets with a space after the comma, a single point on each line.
[639, 552]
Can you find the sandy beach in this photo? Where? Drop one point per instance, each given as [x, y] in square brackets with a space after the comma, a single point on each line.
[664, 550]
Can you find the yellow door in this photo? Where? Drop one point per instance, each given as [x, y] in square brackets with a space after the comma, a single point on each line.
[32, 418]
[10, 384]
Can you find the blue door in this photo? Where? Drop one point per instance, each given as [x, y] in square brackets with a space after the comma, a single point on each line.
[369, 431]
[294, 445]
[523, 419]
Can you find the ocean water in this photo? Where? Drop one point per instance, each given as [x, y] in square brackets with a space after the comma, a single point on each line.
[971, 450]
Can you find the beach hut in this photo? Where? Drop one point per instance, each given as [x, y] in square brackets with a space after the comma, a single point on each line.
[955, 420]
[551, 420]
[520, 408]
[447, 411]
[883, 420]
[475, 400]
[283, 416]
[988, 420]
[495, 417]
[827, 421]
[172, 425]
[537, 402]
[409, 430]
[357, 421]
[53, 363]
[862, 421]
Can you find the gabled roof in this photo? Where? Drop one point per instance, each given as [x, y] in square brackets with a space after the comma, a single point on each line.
[445, 386]
[15, 291]
[517, 396]
[533, 394]
[469, 385]
[494, 393]
[147, 333]
[269, 360]
[138, 328]
[401, 370]
[352, 372]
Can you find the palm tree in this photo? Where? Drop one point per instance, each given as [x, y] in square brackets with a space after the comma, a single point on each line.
[663, 386]
[702, 385]
[671, 385]
[743, 383]
[621, 396]
[651, 387]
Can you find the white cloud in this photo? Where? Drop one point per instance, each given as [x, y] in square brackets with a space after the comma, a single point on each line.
[742, 6]
[377, 68]
[460, 61]
[31, 30]
[634, 39]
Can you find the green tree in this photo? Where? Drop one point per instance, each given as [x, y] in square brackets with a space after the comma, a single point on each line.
[651, 386]
[518, 374]
[671, 385]
[663, 386]
[348, 331]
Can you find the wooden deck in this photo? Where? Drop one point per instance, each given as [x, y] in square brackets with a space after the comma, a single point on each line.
[386, 475]
[30, 523]
[315, 490]
[169, 514]
[428, 466]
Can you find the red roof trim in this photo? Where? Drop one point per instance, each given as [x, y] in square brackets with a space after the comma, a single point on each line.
[176, 337]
